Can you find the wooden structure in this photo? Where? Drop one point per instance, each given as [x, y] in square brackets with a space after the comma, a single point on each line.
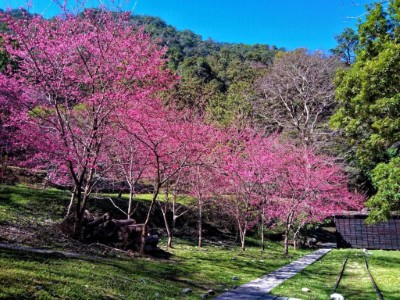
[354, 233]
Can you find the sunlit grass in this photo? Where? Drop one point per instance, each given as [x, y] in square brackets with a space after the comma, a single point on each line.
[211, 267]
[26, 275]
[182, 199]
[22, 204]
[320, 277]
[25, 204]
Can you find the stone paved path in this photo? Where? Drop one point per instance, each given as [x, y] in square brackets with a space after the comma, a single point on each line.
[258, 289]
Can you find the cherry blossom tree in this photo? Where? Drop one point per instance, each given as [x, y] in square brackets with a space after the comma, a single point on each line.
[309, 188]
[196, 178]
[203, 183]
[173, 189]
[9, 93]
[268, 179]
[247, 166]
[77, 74]
[129, 163]
[263, 162]
[172, 139]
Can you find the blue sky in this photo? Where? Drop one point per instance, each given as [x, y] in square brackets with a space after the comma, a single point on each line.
[288, 23]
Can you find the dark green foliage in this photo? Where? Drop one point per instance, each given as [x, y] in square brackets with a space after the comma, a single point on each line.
[386, 179]
[216, 78]
[347, 45]
[369, 98]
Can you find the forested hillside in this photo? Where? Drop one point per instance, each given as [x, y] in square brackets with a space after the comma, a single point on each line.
[216, 78]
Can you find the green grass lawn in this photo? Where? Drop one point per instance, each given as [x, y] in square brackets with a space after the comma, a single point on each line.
[24, 204]
[185, 200]
[26, 275]
[27, 205]
[34, 276]
[320, 277]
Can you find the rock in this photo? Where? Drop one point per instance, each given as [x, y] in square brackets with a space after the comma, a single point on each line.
[311, 241]
[305, 290]
[211, 292]
[203, 296]
[336, 296]
[235, 287]
[186, 291]
[366, 251]
[234, 258]
[157, 295]
[235, 278]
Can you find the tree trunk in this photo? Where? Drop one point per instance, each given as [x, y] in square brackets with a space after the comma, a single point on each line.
[262, 230]
[174, 217]
[71, 203]
[200, 205]
[131, 193]
[295, 237]
[167, 228]
[294, 241]
[287, 231]
[146, 222]
[77, 222]
[82, 201]
[286, 242]
[242, 233]
[243, 240]
[164, 211]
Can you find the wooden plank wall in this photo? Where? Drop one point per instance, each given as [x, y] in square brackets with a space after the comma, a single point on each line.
[353, 233]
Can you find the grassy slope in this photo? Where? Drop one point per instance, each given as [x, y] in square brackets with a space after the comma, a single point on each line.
[29, 276]
[26, 205]
[36, 276]
[320, 277]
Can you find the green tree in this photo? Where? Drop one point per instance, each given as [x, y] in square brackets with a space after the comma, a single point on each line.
[216, 78]
[369, 98]
[386, 179]
[236, 106]
[347, 45]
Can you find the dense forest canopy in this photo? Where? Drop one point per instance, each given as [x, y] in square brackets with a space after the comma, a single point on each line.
[216, 78]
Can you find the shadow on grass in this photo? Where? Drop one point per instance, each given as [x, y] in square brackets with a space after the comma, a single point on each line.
[20, 202]
[127, 275]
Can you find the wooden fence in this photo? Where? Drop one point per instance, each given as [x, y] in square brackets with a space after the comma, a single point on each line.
[354, 233]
